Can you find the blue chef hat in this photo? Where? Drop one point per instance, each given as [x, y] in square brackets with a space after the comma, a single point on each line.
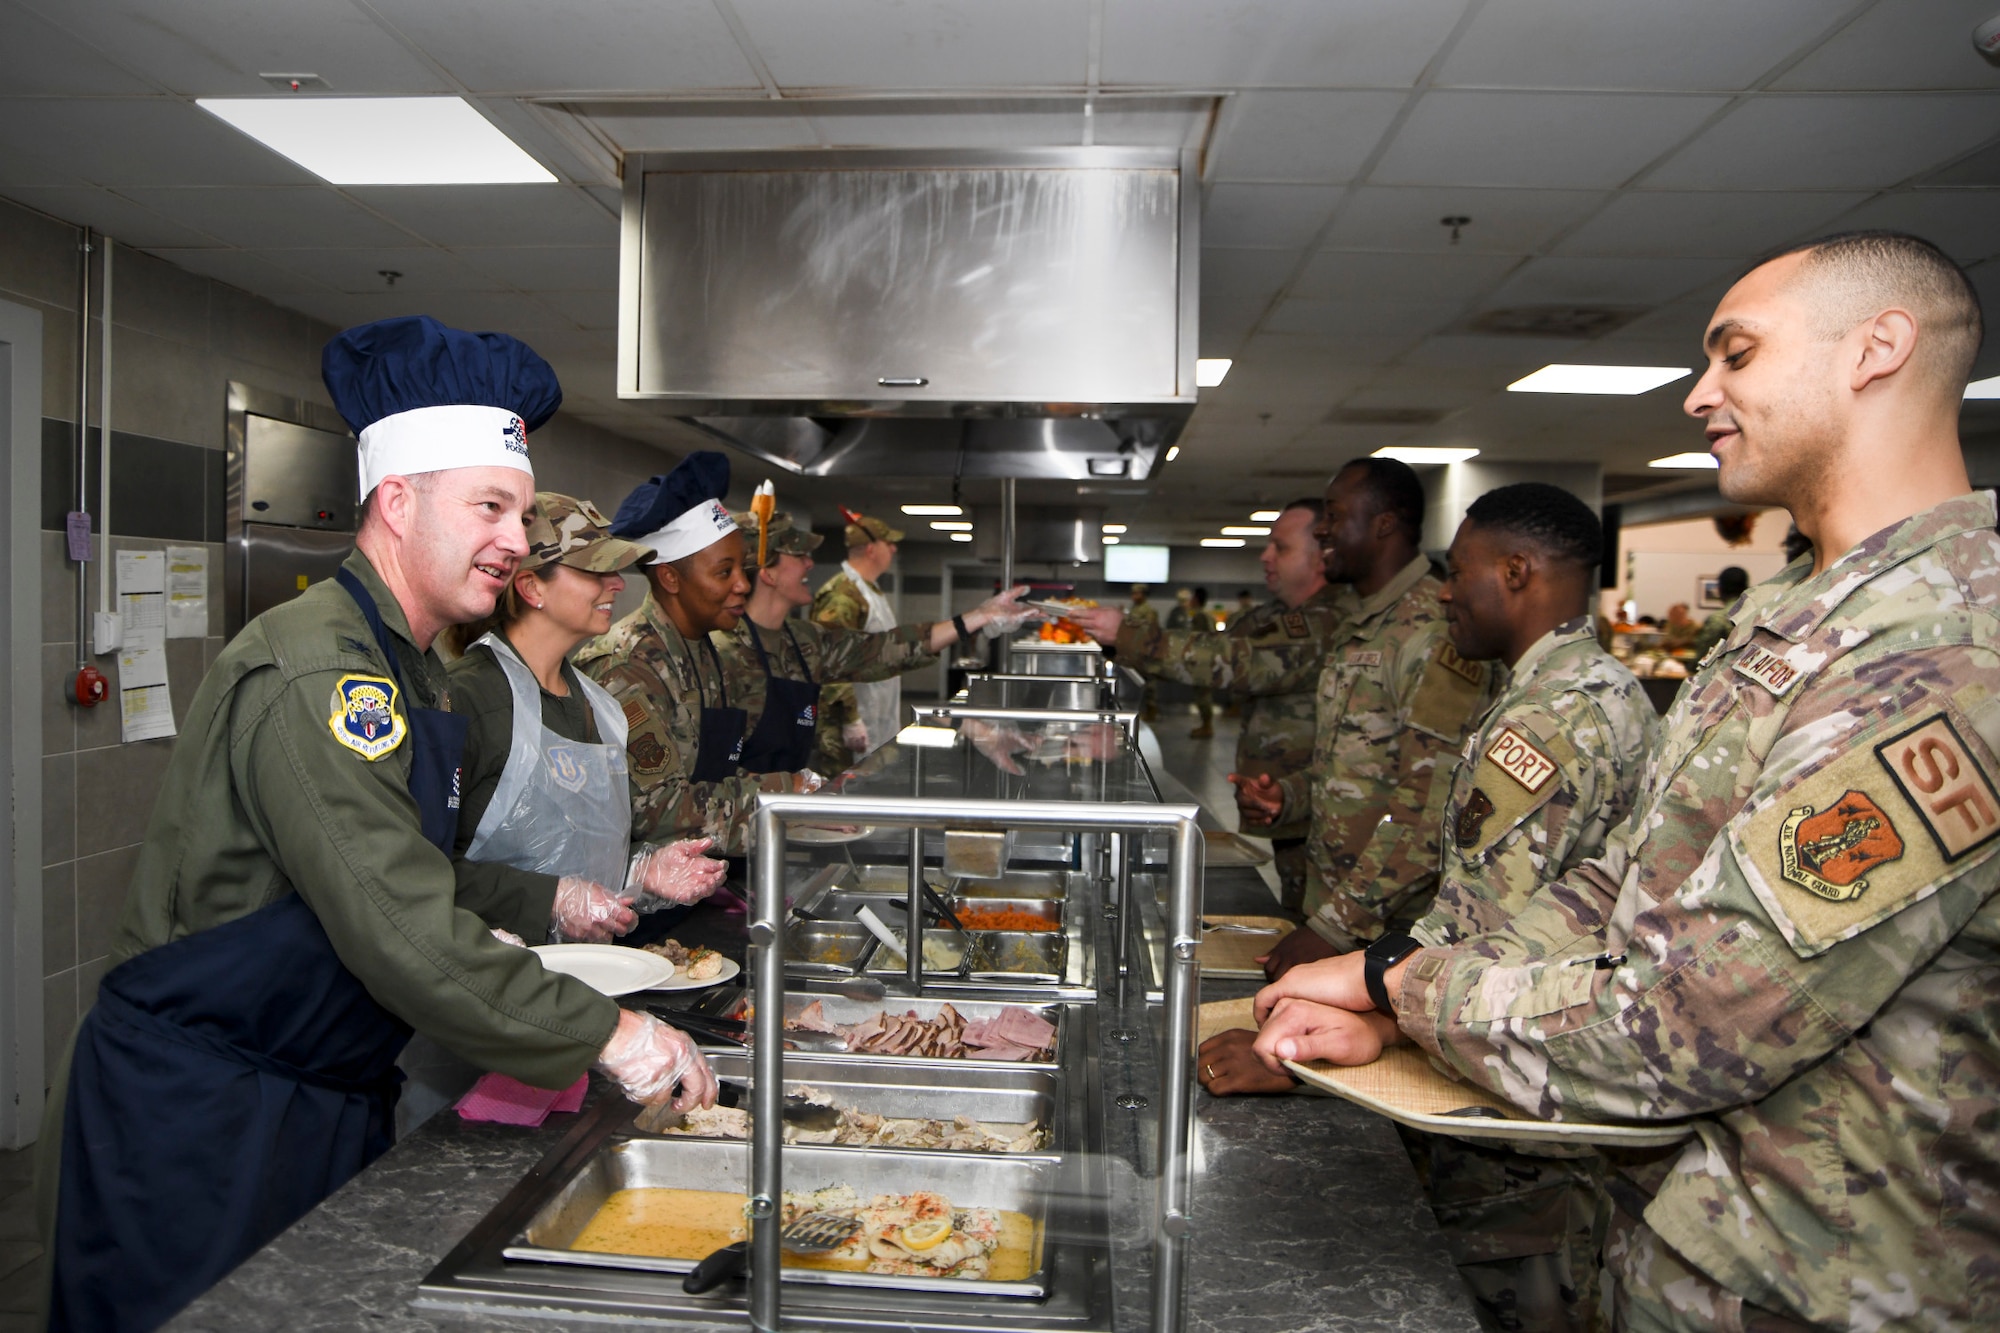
[681, 512]
[423, 397]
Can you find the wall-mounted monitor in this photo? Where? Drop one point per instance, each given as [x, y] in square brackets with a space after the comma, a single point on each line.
[1135, 564]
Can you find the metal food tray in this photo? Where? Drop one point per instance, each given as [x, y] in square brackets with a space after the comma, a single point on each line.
[841, 1010]
[825, 949]
[970, 1180]
[1051, 908]
[1042, 954]
[994, 1092]
[1042, 884]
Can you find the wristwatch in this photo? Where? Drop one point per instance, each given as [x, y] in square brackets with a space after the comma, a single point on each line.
[1380, 956]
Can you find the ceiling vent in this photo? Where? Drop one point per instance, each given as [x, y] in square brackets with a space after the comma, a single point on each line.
[1385, 416]
[1553, 321]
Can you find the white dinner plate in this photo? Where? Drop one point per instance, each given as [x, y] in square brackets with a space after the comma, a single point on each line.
[679, 980]
[814, 835]
[609, 968]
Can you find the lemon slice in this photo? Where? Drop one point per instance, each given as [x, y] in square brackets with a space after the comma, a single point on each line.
[925, 1235]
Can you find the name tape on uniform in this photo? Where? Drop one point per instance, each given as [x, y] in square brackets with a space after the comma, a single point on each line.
[1367, 657]
[1768, 669]
[1939, 776]
[1514, 755]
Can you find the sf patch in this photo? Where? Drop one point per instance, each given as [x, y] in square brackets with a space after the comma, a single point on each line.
[364, 716]
[1936, 772]
[1829, 852]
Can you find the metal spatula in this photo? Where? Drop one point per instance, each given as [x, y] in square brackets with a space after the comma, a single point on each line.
[814, 1233]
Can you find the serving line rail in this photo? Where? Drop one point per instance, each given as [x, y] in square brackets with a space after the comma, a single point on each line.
[775, 813]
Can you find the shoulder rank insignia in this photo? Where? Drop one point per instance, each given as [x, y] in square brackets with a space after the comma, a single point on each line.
[364, 716]
[1828, 852]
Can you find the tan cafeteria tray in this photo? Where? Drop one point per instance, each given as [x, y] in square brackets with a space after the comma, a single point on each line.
[1233, 953]
[1225, 848]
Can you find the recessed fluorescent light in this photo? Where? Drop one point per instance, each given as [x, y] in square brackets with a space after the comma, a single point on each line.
[1418, 453]
[1266, 516]
[1986, 388]
[944, 511]
[1112, 527]
[961, 536]
[1598, 379]
[382, 140]
[1173, 452]
[1210, 371]
[1222, 541]
[1239, 530]
[1691, 461]
[952, 525]
[1110, 540]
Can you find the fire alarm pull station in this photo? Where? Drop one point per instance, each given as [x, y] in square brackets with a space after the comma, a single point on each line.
[90, 688]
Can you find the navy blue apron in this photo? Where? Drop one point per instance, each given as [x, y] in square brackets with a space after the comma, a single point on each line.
[223, 1085]
[719, 744]
[784, 739]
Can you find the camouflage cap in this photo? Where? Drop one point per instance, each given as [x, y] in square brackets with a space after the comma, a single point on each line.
[569, 531]
[787, 537]
[862, 530]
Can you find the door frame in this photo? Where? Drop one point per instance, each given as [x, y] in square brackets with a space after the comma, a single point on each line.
[21, 1055]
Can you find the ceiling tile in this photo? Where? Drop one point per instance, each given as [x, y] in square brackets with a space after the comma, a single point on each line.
[217, 48]
[496, 311]
[1299, 136]
[1979, 169]
[1563, 140]
[589, 310]
[887, 44]
[1456, 351]
[989, 124]
[240, 268]
[119, 218]
[39, 57]
[1236, 289]
[645, 127]
[419, 271]
[1512, 222]
[458, 215]
[550, 268]
[1143, 122]
[525, 46]
[268, 219]
[1900, 44]
[1566, 281]
[1273, 216]
[1689, 44]
[1963, 223]
[1194, 44]
[1830, 143]
[1347, 275]
[1724, 223]
[140, 141]
[1397, 321]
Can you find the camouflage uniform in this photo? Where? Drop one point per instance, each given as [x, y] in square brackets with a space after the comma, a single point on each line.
[661, 679]
[1271, 657]
[1550, 770]
[1143, 614]
[1797, 932]
[1713, 631]
[839, 605]
[1393, 701]
[830, 655]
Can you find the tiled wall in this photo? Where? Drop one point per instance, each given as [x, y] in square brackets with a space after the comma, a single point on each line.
[178, 340]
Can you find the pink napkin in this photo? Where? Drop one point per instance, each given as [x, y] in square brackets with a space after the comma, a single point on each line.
[509, 1101]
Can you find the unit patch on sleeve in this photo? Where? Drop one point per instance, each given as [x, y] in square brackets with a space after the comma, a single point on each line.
[364, 716]
[1472, 817]
[1953, 798]
[1514, 755]
[1768, 669]
[1828, 852]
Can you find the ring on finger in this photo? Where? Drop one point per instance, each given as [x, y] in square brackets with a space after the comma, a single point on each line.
[1209, 1069]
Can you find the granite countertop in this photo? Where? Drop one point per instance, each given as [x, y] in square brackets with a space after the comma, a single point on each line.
[1306, 1213]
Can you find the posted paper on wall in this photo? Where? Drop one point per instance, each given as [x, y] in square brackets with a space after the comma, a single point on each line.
[187, 592]
[145, 711]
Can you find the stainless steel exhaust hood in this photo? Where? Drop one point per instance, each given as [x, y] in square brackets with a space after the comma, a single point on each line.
[1030, 313]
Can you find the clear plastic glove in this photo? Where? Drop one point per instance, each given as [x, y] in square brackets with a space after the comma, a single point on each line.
[506, 936]
[805, 782]
[674, 873]
[646, 1059]
[855, 737]
[1004, 614]
[998, 741]
[589, 913]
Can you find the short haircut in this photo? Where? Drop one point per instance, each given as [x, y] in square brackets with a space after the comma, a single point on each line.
[1549, 516]
[1315, 504]
[1732, 581]
[1394, 487]
[1857, 274]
